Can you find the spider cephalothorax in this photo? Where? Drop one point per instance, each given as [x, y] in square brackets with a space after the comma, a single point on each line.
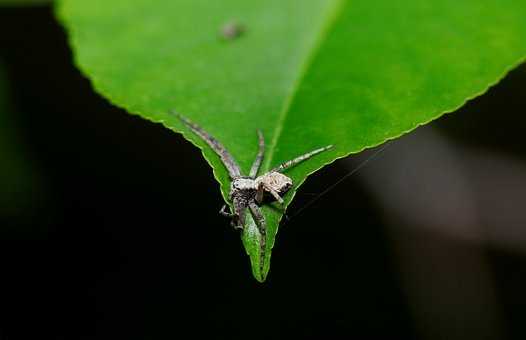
[248, 192]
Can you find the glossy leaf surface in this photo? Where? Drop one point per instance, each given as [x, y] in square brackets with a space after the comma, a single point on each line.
[307, 72]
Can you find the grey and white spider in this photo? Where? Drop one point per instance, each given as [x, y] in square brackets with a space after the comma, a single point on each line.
[247, 192]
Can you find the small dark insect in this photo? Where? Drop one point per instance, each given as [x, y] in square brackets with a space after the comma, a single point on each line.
[247, 192]
[232, 30]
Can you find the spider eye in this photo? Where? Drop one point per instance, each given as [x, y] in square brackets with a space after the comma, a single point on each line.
[237, 184]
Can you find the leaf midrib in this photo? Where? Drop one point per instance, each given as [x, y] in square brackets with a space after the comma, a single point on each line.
[332, 16]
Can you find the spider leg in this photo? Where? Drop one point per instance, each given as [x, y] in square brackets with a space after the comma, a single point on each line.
[274, 194]
[259, 158]
[261, 190]
[234, 222]
[227, 159]
[260, 221]
[225, 213]
[299, 159]
[239, 213]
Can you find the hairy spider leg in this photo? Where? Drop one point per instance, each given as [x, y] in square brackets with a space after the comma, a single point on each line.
[259, 158]
[299, 159]
[240, 208]
[260, 221]
[227, 159]
[261, 191]
[225, 213]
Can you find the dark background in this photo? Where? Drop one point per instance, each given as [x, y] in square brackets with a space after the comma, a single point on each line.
[121, 237]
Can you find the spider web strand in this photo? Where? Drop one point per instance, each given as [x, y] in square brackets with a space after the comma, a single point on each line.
[331, 187]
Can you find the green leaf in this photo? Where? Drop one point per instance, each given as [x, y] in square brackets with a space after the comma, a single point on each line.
[307, 72]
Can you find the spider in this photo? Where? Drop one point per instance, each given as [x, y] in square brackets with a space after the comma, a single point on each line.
[248, 192]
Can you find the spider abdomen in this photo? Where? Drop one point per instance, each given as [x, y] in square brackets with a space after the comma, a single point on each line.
[275, 180]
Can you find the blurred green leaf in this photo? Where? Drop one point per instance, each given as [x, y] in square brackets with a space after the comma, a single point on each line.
[24, 2]
[307, 72]
[20, 186]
